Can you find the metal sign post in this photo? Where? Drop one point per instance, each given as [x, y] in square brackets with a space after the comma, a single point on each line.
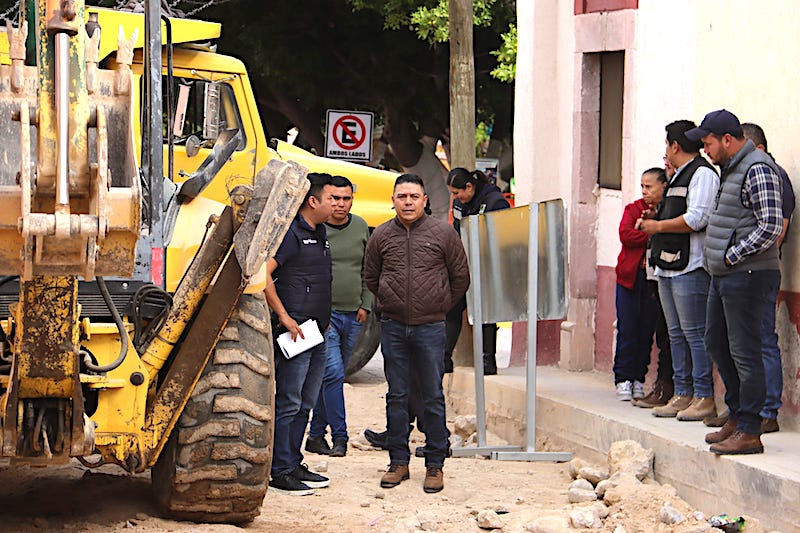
[530, 453]
[477, 341]
[505, 257]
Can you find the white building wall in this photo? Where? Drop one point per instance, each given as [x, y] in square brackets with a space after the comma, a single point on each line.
[747, 62]
[684, 58]
[542, 143]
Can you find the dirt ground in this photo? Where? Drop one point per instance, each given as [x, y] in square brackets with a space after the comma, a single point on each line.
[71, 498]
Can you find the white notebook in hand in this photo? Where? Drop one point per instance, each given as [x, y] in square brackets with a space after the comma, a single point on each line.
[312, 334]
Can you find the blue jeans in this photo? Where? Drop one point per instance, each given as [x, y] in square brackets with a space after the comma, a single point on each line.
[340, 340]
[418, 349]
[297, 384]
[772, 356]
[637, 310]
[684, 299]
[736, 306]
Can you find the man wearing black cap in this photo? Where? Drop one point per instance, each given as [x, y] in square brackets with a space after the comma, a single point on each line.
[742, 258]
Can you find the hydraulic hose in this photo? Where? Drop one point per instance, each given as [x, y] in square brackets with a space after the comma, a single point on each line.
[123, 334]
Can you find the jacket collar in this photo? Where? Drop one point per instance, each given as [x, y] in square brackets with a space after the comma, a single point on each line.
[414, 224]
[738, 156]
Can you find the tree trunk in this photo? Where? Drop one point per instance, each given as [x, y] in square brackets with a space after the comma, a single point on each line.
[307, 122]
[418, 157]
[462, 85]
[434, 175]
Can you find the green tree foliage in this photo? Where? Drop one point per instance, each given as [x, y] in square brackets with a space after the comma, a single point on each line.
[506, 69]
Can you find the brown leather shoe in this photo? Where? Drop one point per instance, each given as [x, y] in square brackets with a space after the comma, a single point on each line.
[718, 436]
[699, 409]
[395, 475]
[716, 421]
[434, 479]
[769, 425]
[660, 395]
[675, 404]
[739, 444]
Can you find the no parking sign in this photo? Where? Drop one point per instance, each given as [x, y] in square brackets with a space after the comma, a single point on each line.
[349, 135]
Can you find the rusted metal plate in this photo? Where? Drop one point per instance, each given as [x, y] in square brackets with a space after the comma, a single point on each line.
[279, 190]
[192, 355]
[45, 345]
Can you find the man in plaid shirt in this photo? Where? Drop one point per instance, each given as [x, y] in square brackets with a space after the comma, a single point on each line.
[742, 258]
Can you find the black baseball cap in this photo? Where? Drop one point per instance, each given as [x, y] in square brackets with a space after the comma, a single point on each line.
[719, 122]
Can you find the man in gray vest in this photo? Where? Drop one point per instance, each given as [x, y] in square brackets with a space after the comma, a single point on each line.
[676, 252]
[742, 258]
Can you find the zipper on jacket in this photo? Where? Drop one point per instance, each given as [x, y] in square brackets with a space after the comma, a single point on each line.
[408, 275]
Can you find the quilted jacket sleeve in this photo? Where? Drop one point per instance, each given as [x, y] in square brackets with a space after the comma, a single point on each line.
[457, 267]
[373, 261]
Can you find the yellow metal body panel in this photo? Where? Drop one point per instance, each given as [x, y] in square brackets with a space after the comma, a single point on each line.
[46, 338]
[373, 197]
[183, 30]
[78, 108]
[121, 405]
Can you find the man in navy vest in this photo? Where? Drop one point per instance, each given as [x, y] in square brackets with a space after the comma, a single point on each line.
[676, 252]
[742, 257]
[301, 270]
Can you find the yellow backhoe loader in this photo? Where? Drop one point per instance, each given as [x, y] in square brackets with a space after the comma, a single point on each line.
[133, 329]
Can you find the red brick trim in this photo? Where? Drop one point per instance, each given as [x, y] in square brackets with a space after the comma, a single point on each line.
[594, 6]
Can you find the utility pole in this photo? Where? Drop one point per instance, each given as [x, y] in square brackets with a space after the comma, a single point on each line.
[462, 86]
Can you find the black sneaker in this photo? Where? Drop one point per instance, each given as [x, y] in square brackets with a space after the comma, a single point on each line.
[313, 480]
[288, 484]
[318, 445]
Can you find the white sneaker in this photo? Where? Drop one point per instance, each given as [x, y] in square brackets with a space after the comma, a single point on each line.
[638, 390]
[624, 391]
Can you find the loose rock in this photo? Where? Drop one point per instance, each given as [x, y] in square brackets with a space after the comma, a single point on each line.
[621, 486]
[581, 495]
[456, 441]
[488, 519]
[465, 425]
[575, 466]
[592, 475]
[600, 489]
[669, 515]
[629, 456]
[581, 484]
[585, 517]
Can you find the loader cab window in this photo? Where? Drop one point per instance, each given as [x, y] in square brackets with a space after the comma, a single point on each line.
[203, 110]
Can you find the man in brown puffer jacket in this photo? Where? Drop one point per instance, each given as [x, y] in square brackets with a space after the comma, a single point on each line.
[416, 267]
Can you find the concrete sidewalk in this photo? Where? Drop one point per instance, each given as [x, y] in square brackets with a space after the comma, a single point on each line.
[579, 412]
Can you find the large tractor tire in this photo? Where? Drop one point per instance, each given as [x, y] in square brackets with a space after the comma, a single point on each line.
[215, 466]
[367, 345]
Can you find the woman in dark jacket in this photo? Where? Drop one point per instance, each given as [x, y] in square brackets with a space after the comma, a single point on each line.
[472, 195]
